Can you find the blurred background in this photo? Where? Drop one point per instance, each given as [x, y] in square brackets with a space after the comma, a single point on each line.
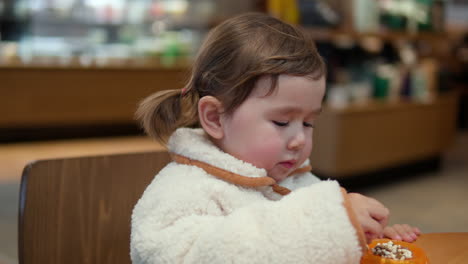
[394, 124]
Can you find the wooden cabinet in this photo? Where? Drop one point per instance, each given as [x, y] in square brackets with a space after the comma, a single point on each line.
[55, 96]
[361, 139]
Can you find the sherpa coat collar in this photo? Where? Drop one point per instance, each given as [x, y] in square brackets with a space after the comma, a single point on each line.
[220, 164]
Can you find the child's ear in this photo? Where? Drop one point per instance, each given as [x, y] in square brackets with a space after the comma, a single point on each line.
[209, 113]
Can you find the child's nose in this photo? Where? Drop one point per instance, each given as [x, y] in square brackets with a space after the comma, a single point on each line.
[297, 141]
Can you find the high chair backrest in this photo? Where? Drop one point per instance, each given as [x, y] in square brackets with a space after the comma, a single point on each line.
[78, 210]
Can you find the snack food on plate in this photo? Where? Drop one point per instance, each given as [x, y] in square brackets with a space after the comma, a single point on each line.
[386, 251]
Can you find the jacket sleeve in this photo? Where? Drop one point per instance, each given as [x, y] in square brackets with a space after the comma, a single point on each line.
[311, 225]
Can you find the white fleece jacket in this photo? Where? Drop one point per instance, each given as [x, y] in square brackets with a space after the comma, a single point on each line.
[187, 215]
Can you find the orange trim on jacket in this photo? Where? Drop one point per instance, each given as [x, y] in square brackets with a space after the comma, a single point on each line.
[236, 178]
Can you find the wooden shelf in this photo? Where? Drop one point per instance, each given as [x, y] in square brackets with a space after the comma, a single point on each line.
[374, 105]
[381, 135]
[57, 63]
[327, 34]
[40, 97]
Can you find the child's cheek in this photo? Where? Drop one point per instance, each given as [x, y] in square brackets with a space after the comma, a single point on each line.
[265, 154]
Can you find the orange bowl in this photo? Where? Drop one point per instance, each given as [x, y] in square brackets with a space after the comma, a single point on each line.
[419, 257]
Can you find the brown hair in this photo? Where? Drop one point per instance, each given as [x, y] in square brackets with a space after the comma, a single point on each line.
[233, 57]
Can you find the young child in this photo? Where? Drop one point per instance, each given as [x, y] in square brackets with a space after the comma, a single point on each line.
[239, 189]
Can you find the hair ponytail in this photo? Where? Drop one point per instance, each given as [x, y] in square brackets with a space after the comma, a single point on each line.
[161, 113]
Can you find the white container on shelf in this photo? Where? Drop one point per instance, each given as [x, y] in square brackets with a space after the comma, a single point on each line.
[366, 15]
[338, 97]
[361, 92]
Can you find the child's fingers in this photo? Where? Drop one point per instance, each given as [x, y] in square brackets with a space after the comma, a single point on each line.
[391, 233]
[379, 212]
[370, 236]
[410, 231]
[402, 232]
[372, 228]
[399, 232]
[406, 232]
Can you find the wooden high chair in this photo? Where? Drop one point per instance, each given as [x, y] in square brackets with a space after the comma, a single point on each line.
[78, 210]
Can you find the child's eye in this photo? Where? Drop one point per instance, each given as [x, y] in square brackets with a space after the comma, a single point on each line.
[281, 124]
[308, 124]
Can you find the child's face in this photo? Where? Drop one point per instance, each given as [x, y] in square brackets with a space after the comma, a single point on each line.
[274, 132]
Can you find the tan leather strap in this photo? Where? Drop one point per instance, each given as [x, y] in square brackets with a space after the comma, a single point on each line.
[224, 174]
[236, 178]
[301, 170]
[280, 189]
[354, 221]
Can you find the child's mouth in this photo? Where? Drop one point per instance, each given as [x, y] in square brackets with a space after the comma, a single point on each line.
[288, 164]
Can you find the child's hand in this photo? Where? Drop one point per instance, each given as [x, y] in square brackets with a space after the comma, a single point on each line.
[403, 232]
[371, 214]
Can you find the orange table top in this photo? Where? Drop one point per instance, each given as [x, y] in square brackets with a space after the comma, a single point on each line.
[445, 248]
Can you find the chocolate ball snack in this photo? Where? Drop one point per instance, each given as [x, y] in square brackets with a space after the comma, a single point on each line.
[386, 251]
